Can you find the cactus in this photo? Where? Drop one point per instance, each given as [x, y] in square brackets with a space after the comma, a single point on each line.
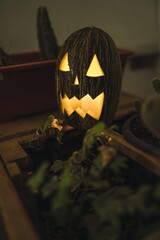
[156, 84]
[150, 111]
[150, 114]
[46, 38]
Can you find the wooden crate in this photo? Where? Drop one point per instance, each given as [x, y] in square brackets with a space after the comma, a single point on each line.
[148, 161]
[15, 222]
[13, 163]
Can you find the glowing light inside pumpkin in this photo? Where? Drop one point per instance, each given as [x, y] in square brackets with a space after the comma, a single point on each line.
[95, 69]
[86, 105]
[76, 82]
[64, 65]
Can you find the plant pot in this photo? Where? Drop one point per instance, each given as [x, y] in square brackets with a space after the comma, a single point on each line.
[124, 55]
[28, 86]
[135, 133]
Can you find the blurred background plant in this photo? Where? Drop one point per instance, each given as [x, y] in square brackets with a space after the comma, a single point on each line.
[150, 112]
[47, 40]
[4, 57]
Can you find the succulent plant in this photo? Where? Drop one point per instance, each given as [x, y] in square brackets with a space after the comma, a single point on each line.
[46, 37]
[156, 84]
[4, 58]
[150, 112]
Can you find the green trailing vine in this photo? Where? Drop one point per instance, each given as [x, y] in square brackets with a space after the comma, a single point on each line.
[91, 200]
[51, 127]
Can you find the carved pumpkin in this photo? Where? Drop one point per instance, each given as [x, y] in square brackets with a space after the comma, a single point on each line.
[88, 78]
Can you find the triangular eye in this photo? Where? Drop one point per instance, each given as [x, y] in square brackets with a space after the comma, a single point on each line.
[64, 65]
[95, 69]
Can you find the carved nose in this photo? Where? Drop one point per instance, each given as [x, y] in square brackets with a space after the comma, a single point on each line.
[76, 82]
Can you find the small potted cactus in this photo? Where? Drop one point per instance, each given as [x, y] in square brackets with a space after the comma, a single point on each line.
[143, 129]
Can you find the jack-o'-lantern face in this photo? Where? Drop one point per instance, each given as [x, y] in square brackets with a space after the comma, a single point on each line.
[85, 78]
[87, 104]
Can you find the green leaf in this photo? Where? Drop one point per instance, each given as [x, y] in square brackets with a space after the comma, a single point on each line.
[76, 182]
[61, 197]
[50, 187]
[119, 164]
[76, 158]
[136, 202]
[90, 138]
[48, 122]
[96, 169]
[108, 153]
[36, 180]
[57, 166]
[102, 185]
[109, 208]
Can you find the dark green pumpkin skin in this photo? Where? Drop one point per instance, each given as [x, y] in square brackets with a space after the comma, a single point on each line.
[81, 47]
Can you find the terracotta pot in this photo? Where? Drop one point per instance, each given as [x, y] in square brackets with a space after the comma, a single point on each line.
[135, 140]
[124, 55]
[27, 87]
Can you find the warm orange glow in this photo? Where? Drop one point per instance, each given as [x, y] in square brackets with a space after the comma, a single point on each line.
[95, 69]
[64, 65]
[86, 105]
[76, 82]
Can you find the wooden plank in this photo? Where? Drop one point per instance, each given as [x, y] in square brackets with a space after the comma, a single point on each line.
[146, 160]
[15, 174]
[154, 236]
[22, 126]
[15, 219]
[11, 151]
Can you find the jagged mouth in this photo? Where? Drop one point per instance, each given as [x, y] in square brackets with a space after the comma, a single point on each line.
[83, 106]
